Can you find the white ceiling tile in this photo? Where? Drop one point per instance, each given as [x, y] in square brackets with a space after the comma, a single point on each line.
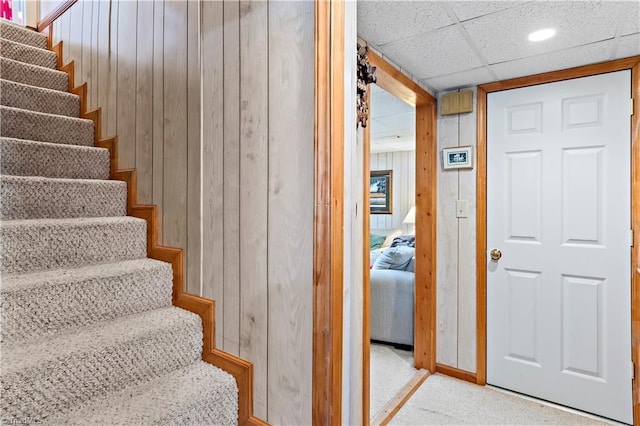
[629, 46]
[465, 10]
[582, 55]
[466, 78]
[381, 22]
[632, 24]
[439, 52]
[502, 36]
[401, 122]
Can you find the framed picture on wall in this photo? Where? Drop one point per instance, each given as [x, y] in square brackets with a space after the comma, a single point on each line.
[380, 192]
[460, 157]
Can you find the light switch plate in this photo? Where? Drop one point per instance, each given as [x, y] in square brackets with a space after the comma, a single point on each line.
[462, 208]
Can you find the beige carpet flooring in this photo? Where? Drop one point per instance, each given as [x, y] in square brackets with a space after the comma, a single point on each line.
[390, 369]
[442, 400]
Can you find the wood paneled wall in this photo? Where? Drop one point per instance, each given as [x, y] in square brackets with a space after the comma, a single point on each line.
[456, 245]
[213, 103]
[403, 164]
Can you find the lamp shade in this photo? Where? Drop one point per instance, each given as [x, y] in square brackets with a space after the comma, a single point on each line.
[411, 216]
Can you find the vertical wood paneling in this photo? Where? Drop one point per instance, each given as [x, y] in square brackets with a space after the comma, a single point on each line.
[254, 194]
[467, 252]
[144, 102]
[291, 183]
[447, 251]
[403, 164]
[94, 52]
[85, 45]
[101, 77]
[76, 14]
[151, 67]
[109, 109]
[231, 167]
[194, 219]
[174, 218]
[213, 160]
[158, 108]
[126, 84]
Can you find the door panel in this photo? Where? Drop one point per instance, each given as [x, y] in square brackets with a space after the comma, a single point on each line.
[558, 207]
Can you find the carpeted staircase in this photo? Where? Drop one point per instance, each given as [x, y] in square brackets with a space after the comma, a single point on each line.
[88, 331]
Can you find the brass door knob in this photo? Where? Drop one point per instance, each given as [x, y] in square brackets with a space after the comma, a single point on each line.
[496, 254]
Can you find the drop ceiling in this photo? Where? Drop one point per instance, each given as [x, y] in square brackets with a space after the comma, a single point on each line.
[446, 45]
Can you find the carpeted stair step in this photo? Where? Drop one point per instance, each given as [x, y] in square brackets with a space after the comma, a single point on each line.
[44, 303]
[37, 126]
[34, 75]
[28, 54]
[199, 394]
[20, 157]
[22, 35]
[29, 197]
[42, 244]
[32, 98]
[55, 375]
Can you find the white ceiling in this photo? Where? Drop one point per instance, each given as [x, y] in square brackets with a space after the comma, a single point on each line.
[451, 44]
[392, 121]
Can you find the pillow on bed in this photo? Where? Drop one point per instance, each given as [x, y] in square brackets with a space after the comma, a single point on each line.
[397, 258]
[375, 241]
[391, 237]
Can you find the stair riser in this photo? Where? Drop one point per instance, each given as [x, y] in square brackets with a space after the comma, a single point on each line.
[61, 304]
[22, 124]
[68, 381]
[17, 95]
[30, 198]
[23, 35]
[35, 247]
[33, 75]
[28, 54]
[26, 158]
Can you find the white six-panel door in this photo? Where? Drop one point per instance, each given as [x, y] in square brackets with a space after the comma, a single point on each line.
[558, 209]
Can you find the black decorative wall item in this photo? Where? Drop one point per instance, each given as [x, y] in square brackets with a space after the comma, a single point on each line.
[366, 75]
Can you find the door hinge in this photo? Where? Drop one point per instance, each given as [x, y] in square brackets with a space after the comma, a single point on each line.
[631, 103]
[631, 237]
[633, 371]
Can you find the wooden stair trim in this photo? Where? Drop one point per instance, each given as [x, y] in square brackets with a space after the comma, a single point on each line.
[239, 368]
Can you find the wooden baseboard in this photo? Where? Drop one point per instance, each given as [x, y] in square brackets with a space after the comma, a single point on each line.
[456, 372]
[240, 369]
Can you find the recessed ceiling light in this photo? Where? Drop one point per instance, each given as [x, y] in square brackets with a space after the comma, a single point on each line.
[543, 34]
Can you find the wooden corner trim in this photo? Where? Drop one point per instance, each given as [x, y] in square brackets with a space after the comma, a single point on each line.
[240, 369]
[391, 409]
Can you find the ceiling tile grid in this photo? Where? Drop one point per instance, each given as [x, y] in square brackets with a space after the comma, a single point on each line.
[451, 44]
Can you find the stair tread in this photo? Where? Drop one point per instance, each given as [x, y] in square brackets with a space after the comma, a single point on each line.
[197, 394]
[16, 32]
[70, 222]
[38, 99]
[23, 157]
[34, 75]
[17, 282]
[17, 357]
[28, 54]
[42, 304]
[31, 125]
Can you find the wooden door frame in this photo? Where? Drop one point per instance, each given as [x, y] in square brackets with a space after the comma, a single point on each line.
[399, 85]
[328, 235]
[633, 64]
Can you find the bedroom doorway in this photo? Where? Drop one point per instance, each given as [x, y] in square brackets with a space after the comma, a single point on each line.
[412, 217]
[391, 245]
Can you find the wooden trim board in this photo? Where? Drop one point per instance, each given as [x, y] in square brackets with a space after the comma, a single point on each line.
[328, 234]
[632, 63]
[457, 373]
[240, 369]
[401, 398]
[366, 277]
[399, 85]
